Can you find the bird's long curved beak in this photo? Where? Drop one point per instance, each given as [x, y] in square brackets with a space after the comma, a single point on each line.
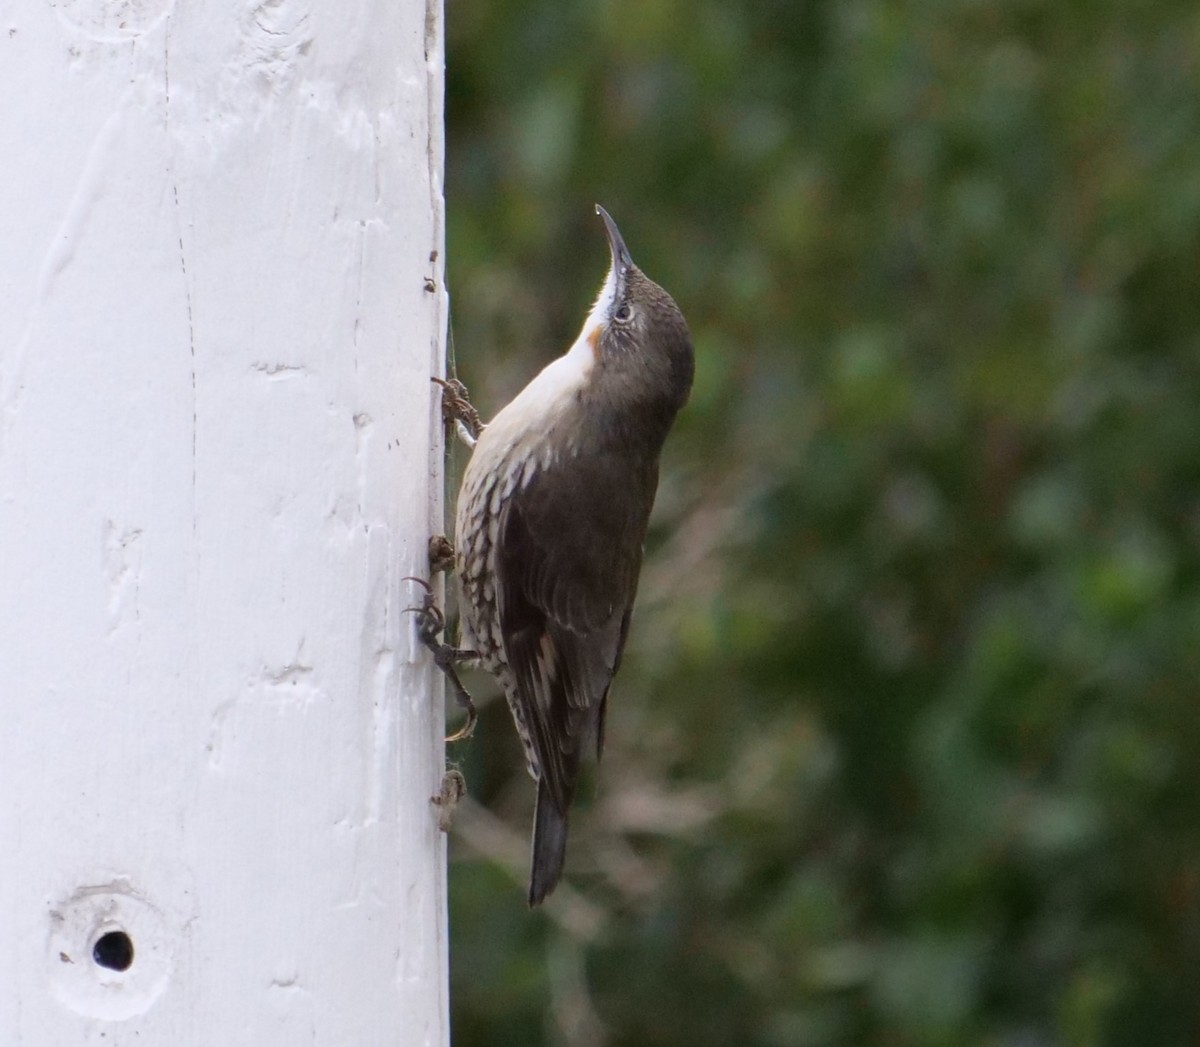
[621, 259]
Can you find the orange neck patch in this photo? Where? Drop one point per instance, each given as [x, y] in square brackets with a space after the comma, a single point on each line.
[593, 339]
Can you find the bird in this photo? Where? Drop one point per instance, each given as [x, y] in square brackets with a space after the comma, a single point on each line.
[550, 524]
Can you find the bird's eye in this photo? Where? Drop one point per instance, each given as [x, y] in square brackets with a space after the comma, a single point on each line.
[623, 315]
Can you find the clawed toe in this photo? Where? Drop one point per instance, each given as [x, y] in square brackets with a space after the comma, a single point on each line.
[457, 409]
[431, 622]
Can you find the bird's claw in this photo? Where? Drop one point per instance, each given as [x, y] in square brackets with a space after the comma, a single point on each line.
[468, 728]
[441, 554]
[457, 409]
[453, 789]
[431, 621]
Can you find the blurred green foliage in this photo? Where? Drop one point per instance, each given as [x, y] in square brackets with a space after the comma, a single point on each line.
[906, 749]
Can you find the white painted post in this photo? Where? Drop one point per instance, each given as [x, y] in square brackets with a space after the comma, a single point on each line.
[220, 305]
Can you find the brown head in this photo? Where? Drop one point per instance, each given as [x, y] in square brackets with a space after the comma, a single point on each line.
[644, 359]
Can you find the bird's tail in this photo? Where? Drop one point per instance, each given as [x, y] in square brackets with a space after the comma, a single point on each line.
[549, 846]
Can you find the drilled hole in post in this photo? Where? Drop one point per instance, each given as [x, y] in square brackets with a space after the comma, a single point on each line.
[113, 950]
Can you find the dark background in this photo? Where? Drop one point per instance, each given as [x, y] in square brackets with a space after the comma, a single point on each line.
[906, 746]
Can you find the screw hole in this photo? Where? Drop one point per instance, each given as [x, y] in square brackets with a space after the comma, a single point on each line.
[113, 950]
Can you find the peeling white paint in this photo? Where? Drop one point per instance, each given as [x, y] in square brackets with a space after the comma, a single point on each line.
[219, 317]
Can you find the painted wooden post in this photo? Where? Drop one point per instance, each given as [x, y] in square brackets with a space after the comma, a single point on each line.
[220, 305]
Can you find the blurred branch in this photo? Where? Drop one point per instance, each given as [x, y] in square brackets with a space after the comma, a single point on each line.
[570, 1001]
[508, 850]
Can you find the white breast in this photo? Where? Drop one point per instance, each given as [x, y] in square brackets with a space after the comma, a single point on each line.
[510, 450]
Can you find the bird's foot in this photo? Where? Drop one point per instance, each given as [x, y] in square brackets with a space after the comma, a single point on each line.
[441, 554]
[457, 410]
[431, 622]
[453, 789]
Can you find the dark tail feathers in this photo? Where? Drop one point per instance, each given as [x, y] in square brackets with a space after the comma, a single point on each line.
[549, 846]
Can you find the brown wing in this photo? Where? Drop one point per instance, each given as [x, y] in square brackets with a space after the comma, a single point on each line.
[567, 564]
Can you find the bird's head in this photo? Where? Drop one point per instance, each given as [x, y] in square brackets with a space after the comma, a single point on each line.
[643, 350]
